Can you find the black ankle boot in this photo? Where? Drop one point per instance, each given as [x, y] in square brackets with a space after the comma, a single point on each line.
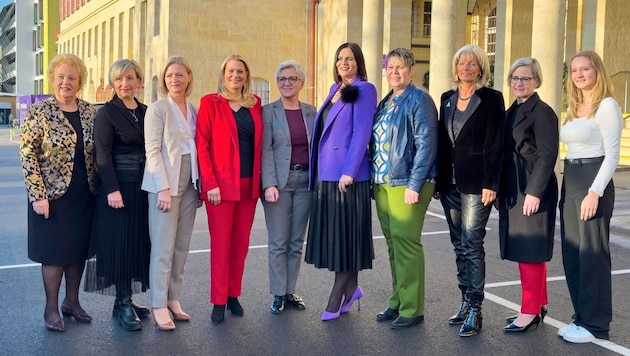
[141, 311]
[461, 314]
[234, 306]
[473, 321]
[127, 316]
[218, 313]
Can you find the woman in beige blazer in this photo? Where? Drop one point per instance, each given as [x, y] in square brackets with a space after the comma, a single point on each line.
[170, 177]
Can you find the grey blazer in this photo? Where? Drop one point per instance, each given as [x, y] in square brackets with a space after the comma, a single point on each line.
[276, 142]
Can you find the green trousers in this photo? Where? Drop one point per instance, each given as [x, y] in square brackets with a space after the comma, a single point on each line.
[402, 226]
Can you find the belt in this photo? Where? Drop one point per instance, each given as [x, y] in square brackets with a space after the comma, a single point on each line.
[583, 160]
[299, 167]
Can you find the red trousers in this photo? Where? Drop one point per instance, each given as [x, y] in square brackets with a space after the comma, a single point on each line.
[230, 224]
[534, 286]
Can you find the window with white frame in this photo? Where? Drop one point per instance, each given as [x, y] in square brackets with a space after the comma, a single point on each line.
[260, 87]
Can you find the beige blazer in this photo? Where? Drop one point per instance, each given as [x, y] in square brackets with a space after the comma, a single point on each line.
[164, 139]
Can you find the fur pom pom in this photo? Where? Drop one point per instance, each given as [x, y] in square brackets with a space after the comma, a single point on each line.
[349, 93]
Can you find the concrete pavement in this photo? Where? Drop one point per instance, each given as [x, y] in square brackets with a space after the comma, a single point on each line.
[301, 332]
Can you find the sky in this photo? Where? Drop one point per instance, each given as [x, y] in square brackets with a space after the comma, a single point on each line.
[4, 3]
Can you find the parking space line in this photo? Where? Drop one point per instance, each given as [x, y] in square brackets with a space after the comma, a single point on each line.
[607, 344]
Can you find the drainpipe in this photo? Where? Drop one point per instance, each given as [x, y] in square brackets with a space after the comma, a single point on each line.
[311, 54]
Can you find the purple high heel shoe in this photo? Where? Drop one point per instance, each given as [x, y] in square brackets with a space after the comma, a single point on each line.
[358, 293]
[326, 315]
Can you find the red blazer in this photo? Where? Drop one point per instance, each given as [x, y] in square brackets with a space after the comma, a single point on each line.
[218, 151]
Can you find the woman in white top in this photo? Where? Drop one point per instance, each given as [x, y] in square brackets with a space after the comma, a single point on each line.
[592, 132]
[170, 176]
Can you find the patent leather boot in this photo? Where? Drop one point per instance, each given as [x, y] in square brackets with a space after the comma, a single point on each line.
[473, 321]
[461, 314]
[127, 316]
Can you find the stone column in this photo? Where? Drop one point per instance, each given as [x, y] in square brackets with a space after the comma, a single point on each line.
[372, 41]
[448, 27]
[548, 24]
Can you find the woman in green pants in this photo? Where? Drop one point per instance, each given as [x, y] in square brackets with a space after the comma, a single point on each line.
[404, 149]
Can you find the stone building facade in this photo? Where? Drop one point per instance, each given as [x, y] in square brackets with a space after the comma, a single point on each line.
[267, 32]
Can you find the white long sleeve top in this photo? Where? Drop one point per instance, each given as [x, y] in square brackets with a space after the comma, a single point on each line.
[596, 137]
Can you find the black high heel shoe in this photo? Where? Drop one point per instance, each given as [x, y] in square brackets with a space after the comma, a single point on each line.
[515, 328]
[543, 313]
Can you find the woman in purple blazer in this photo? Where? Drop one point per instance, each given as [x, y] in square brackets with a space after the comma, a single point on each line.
[340, 234]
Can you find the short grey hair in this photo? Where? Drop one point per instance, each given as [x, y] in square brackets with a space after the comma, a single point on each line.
[404, 54]
[294, 65]
[530, 62]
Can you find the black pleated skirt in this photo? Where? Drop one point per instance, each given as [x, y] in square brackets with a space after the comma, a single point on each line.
[120, 245]
[340, 227]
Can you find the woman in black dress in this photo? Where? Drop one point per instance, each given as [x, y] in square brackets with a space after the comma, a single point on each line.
[120, 228]
[57, 152]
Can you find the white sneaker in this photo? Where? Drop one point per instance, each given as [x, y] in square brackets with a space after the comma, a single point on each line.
[579, 335]
[564, 330]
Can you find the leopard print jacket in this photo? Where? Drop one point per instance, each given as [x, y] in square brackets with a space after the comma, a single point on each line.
[47, 149]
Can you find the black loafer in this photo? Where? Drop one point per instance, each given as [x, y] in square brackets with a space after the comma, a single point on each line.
[218, 314]
[277, 306]
[404, 322]
[234, 306]
[387, 314]
[295, 301]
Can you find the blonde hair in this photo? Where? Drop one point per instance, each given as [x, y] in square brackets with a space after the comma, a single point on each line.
[120, 66]
[71, 60]
[247, 98]
[603, 86]
[176, 60]
[482, 60]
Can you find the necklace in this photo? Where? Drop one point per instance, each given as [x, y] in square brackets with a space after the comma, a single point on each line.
[464, 99]
[133, 113]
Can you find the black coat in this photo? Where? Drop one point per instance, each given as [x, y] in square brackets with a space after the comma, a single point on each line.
[530, 152]
[476, 153]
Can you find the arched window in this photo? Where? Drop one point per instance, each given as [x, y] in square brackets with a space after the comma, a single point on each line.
[491, 34]
[155, 89]
[260, 87]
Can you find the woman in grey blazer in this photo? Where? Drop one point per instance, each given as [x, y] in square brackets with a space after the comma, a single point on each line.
[170, 176]
[288, 124]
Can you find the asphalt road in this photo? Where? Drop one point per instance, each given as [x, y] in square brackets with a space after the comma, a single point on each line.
[302, 332]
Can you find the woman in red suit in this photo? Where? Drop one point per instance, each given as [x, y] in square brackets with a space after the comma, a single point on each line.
[229, 141]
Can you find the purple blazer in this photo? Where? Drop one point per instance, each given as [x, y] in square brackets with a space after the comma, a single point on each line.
[342, 145]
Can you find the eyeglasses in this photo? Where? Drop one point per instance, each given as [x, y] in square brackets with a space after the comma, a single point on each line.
[523, 80]
[291, 80]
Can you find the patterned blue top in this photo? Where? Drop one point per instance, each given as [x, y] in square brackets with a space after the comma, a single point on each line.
[380, 136]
